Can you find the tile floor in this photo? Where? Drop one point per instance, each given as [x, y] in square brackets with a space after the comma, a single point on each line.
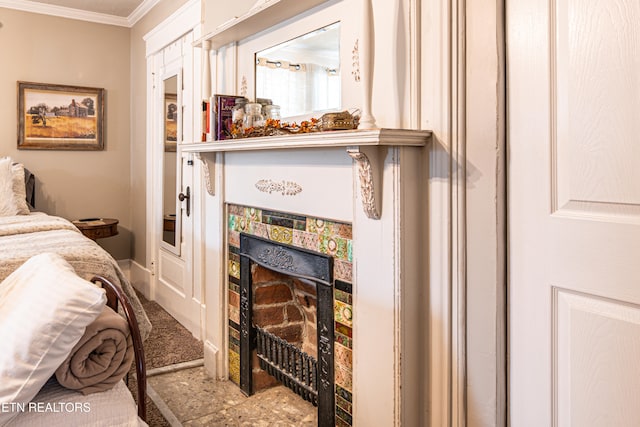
[195, 399]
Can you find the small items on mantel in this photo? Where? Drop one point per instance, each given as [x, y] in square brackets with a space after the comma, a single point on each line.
[274, 127]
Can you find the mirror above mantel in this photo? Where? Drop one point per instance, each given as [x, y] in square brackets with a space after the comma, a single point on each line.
[302, 75]
[323, 28]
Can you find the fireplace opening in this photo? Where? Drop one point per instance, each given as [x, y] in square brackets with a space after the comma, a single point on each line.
[284, 316]
[286, 322]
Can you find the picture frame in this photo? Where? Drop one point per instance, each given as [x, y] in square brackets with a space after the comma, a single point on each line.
[170, 122]
[60, 117]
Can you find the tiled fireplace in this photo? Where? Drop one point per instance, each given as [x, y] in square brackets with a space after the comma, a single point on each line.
[295, 304]
[358, 198]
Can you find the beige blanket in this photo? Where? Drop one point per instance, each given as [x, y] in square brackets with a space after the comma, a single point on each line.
[24, 236]
[37, 221]
[101, 358]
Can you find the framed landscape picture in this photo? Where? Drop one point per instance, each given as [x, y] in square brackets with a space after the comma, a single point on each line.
[58, 117]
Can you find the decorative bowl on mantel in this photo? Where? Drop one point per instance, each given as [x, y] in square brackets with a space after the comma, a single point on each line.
[342, 120]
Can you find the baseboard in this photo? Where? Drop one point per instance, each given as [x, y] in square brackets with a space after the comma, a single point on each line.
[140, 278]
[211, 362]
[125, 266]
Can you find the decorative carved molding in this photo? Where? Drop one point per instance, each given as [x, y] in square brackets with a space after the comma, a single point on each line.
[355, 56]
[208, 172]
[286, 188]
[243, 86]
[370, 179]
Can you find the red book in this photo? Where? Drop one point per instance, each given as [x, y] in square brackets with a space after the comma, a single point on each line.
[205, 119]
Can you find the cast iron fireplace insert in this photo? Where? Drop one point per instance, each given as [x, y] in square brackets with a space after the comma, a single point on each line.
[313, 380]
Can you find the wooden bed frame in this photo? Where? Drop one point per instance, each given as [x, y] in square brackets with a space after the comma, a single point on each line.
[115, 295]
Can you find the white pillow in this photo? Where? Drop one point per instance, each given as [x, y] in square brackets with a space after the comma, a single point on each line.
[13, 197]
[44, 310]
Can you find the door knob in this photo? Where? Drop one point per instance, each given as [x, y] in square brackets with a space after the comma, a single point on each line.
[182, 197]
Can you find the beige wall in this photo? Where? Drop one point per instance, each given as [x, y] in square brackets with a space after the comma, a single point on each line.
[72, 184]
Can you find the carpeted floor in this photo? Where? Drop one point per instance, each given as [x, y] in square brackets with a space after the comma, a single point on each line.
[169, 343]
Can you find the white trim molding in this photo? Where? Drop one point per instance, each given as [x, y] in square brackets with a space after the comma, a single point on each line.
[140, 11]
[443, 96]
[81, 15]
[175, 26]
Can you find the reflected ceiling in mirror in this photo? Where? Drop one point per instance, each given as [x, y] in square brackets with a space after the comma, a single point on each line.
[302, 75]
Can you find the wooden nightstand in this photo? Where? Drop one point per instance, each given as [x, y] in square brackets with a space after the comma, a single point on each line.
[97, 228]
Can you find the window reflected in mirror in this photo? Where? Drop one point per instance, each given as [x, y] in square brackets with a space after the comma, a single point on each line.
[169, 167]
[302, 75]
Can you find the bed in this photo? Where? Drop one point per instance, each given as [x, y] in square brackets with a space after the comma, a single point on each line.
[23, 236]
[74, 265]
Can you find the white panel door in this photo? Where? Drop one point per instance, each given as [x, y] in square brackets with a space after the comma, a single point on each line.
[573, 73]
[174, 287]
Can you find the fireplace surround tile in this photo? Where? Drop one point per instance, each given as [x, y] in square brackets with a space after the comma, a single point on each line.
[344, 340]
[343, 296]
[344, 415]
[304, 239]
[316, 234]
[343, 313]
[334, 246]
[342, 270]
[280, 234]
[234, 366]
[343, 355]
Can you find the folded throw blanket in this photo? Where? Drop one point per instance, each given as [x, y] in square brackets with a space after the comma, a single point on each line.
[101, 358]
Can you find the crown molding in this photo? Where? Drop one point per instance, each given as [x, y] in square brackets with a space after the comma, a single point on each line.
[141, 11]
[81, 15]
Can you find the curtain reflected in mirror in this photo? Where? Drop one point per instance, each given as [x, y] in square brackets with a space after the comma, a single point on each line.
[170, 162]
[302, 75]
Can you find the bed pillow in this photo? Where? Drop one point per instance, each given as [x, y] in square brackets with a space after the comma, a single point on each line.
[44, 310]
[13, 197]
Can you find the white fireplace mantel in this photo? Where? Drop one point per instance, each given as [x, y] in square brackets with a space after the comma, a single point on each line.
[366, 147]
[375, 181]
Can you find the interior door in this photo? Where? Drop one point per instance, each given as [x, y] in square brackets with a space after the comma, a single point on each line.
[174, 287]
[574, 212]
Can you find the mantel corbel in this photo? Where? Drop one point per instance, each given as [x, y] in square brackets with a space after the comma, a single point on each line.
[208, 160]
[369, 160]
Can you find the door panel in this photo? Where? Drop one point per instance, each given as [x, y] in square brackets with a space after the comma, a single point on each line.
[596, 351]
[594, 120]
[574, 209]
[172, 274]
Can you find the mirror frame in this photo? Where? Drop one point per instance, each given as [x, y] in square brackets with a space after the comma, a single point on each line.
[167, 73]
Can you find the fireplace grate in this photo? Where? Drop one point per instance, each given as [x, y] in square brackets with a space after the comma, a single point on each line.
[288, 364]
[314, 379]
